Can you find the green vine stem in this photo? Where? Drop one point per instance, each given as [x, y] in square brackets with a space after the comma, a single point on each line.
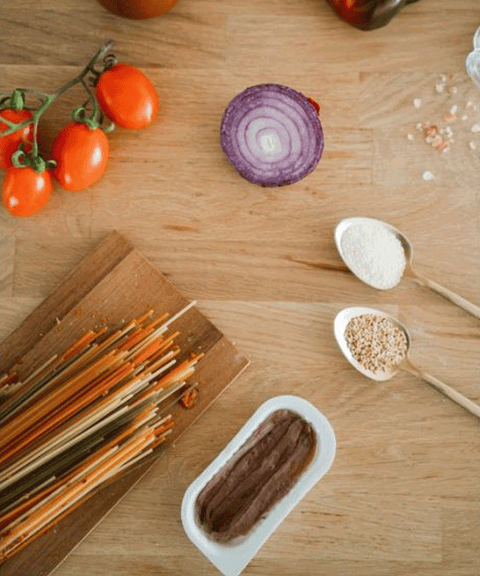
[16, 100]
[13, 126]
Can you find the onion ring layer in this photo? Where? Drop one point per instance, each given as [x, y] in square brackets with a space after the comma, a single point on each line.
[272, 135]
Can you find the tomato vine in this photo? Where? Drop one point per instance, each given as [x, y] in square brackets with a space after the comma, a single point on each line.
[94, 118]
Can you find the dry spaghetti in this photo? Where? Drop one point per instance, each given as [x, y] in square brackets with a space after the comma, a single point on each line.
[82, 419]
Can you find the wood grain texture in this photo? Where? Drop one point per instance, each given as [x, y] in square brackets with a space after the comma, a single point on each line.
[403, 496]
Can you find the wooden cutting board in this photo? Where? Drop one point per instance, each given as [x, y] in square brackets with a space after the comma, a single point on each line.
[112, 284]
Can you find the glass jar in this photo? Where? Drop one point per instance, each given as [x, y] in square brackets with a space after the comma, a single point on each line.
[473, 59]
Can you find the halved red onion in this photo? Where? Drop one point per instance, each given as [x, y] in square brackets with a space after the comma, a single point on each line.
[272, 135]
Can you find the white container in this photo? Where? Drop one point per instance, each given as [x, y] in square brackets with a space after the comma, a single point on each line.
[231, 558]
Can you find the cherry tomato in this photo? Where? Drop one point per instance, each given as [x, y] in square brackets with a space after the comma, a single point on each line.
[127, 97]
[138, 9]
[9, 144]
[25, 191]
[81, 155]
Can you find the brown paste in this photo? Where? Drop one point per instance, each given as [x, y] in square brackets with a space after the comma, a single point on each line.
[261, 473]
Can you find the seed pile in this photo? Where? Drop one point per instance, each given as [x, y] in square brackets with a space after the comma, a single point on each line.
[376, 343]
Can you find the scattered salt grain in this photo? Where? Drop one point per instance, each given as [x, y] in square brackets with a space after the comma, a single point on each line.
[374, 254]
[472, 146]
[428, 175]
[441, 137]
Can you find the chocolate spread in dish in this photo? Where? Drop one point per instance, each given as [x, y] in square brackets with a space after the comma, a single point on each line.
[261, 473]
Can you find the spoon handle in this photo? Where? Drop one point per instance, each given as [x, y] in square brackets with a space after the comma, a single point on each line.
[446, 293]
[446, 390]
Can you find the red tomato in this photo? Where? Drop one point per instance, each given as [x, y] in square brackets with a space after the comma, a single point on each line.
[127, 97]
[81, 155]
[25, 191]
[9, 144]
[139, 8]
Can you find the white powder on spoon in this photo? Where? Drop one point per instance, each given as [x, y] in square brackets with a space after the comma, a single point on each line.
[374, 254]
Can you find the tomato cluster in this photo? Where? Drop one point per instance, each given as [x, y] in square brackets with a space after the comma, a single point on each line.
[81, 149]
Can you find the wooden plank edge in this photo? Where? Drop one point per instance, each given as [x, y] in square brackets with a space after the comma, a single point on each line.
[72, 289]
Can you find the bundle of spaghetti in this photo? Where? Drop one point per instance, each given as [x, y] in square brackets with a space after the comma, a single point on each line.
[82, 419]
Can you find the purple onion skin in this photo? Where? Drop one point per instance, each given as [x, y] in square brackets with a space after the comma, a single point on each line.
[305, 119]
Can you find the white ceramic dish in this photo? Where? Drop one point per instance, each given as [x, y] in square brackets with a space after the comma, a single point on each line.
[231, 558]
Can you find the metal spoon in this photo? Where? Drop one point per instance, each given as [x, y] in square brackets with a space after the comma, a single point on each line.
[409, 272]
[339, 326]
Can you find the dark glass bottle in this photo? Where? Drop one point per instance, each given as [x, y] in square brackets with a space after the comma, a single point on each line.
[368, 14]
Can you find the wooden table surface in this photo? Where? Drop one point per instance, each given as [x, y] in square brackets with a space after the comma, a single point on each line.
[403, 494]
